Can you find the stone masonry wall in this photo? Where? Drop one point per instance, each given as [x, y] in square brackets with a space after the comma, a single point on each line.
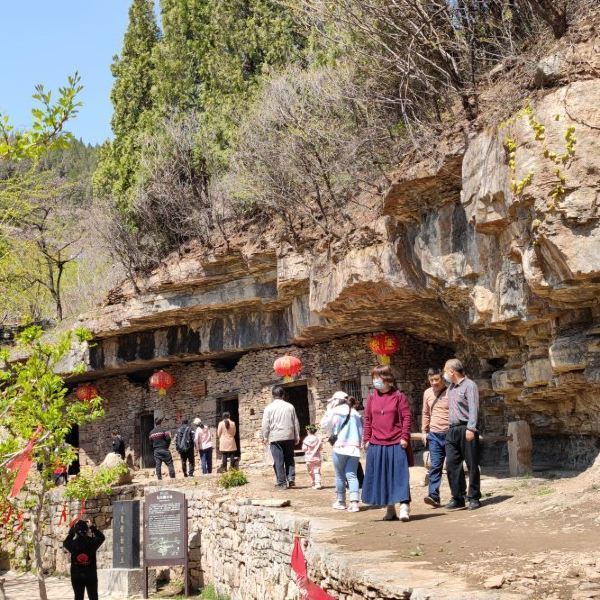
[199, 385]
[241, 548]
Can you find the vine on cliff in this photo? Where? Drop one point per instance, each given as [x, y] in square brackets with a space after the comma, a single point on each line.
[559, 159]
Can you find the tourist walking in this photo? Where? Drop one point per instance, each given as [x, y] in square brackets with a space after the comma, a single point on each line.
[346, 428]
[311, 446]
[434, 427]
[204, 445]
[82, 542]
[117, 444]
[281, 430]
[160, 438]
[227, 445]
[184, 444]
[462, 440]
[387, 422]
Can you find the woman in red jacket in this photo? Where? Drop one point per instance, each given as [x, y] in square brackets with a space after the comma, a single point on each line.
[387, 422]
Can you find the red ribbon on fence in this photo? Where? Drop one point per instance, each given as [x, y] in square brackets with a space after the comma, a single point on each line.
[8, 514]
[21, 518]
[80, 515]
[308, 589]
[63, 515]
[22, 463]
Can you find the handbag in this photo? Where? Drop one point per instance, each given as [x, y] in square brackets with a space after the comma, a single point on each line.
[334, 436]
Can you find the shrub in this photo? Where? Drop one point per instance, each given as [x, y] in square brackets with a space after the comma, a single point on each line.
[233, 478]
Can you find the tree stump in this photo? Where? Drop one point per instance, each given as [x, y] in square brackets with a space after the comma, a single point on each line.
[520, 448]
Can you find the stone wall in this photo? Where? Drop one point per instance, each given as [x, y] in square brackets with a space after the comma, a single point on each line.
[199, 386]
[241, 548]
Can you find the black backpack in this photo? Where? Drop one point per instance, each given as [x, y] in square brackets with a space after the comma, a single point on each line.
[183, 441]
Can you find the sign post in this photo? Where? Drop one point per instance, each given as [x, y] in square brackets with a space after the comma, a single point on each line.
[166, 533]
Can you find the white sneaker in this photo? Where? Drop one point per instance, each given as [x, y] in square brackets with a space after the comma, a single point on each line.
[353, 507]
[404, 512]
[338, 505]
[318, 486]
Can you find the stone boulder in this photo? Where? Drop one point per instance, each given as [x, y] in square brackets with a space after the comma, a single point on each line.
[113, 460]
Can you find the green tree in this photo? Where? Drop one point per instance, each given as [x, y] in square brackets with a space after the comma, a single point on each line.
[131, 96]
[37, 415]
[47, 130]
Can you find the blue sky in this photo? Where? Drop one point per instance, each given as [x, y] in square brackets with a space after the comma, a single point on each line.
[45, 41]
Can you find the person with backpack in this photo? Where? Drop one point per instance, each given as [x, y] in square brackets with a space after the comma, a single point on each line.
[346, 428]
[160, 438]
[184, 444]
[434, 425]
[82, 542]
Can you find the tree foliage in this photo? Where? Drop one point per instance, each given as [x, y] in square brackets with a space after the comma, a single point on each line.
[47, 130]
[132, 101]
[35, 406]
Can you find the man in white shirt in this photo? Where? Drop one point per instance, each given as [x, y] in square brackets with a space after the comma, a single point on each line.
[280, 429]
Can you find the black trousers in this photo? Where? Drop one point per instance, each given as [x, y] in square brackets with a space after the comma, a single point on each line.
[284, 464]
[85, 581]
[228, 456]
[457, 451]
[188, 456]
[162, 455]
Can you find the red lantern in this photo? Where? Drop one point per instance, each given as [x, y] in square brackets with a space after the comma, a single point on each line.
[384, 345]
[86, 392]
[161, 381]
[287, 367]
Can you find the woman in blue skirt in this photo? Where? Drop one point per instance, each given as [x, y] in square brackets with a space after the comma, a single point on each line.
[387, 422]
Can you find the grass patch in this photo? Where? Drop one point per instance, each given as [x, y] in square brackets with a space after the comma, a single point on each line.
[233, 478]
[209, 593]
[544, 491]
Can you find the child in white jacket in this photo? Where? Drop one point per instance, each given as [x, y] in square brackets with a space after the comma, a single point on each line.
[312, 455]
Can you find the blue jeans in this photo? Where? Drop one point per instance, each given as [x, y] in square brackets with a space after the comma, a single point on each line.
[437, 453]
[206, 460]
[345, 470]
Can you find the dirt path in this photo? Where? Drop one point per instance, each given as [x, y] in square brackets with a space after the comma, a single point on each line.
[533, 537]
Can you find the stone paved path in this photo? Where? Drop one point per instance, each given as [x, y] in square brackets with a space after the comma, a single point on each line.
[23, 586]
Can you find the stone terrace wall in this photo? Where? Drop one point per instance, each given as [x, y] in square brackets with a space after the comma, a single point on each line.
[199, 385]
[243, 549]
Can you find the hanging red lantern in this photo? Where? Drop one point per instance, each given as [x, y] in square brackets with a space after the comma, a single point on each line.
[86, 392]
[287, 367]
[384, 345]
[161, 381]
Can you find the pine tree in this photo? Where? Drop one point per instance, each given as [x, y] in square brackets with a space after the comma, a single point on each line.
[213, 55]
[132, 101]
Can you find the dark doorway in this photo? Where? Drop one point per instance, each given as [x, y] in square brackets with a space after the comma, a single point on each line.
[146, 426]
[298, 396]
[231, 404]
[73, 438]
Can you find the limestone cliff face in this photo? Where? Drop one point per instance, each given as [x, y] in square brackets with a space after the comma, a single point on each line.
[494, 254]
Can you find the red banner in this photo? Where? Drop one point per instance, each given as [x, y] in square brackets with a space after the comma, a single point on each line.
[22, 463]
[80, 515]
[308, 589]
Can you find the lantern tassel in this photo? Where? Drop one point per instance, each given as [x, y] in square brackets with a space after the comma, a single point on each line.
[288, 379]
[162, 392]
[385, 359]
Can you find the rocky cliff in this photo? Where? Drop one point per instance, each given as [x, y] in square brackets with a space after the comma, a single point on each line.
[491, 248]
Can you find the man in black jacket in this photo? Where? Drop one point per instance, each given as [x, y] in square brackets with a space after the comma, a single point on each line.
[184, 444]
[83, 541]
[160, 438]
[118, 444]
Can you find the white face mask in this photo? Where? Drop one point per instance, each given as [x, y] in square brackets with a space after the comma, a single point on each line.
[447, 378]
[378, 384]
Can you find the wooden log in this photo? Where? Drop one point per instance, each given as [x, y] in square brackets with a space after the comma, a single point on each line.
[520, 448]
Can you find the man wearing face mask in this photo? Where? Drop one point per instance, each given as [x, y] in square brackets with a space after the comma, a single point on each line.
[462, 440]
